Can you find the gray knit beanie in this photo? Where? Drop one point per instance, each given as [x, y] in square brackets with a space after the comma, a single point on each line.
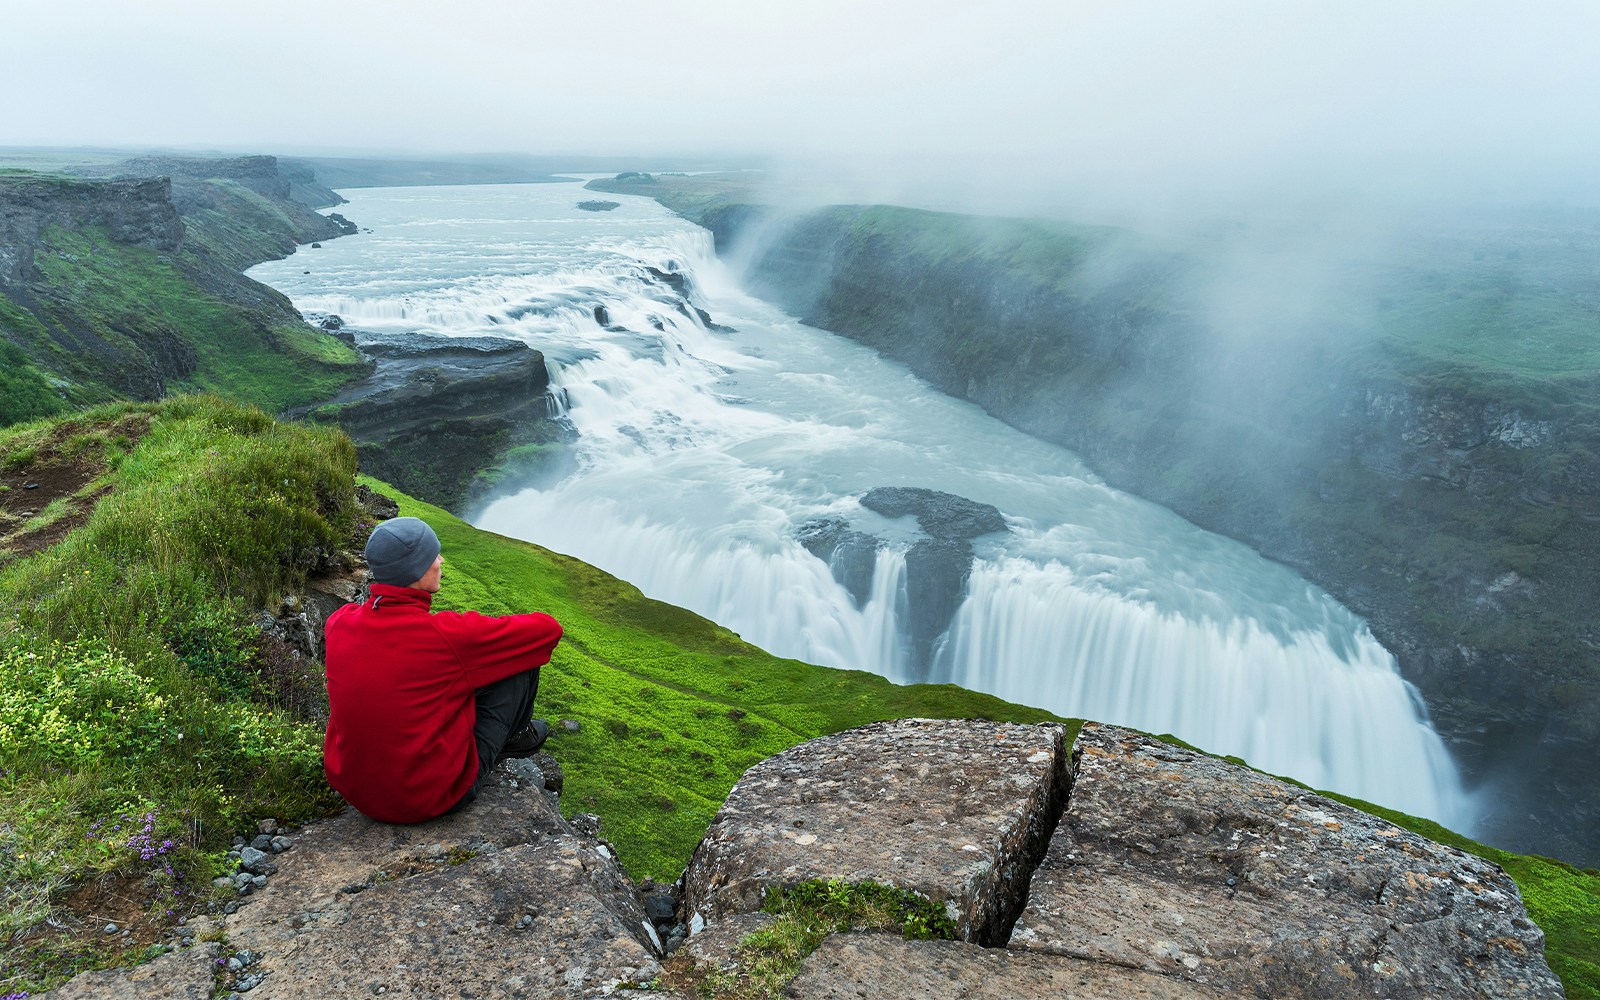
[401, 550]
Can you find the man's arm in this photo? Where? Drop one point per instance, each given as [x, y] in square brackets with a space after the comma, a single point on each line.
[491, 648]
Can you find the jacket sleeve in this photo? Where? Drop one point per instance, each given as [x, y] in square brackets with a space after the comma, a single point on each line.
[492, 648]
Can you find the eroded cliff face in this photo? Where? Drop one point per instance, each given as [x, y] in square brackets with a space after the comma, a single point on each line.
[133, 212]
[1458, 513]
[129, 287]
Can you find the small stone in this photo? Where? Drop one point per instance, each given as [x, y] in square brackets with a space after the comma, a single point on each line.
[231, 908]
[251, 859]
[234, 965]
[260, 881]
[263, 842]
[247, 957]
[281, 844]
[223, 882]
[570, 725]
[238, 842]
[268, 825]
[111, 928]
[248, 983]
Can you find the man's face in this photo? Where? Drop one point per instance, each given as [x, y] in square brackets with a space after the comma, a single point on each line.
[430, 579]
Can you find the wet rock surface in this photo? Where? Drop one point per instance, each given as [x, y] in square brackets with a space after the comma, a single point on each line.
[956, 811]
[1174, 863]
[941, 515]
[937, 566]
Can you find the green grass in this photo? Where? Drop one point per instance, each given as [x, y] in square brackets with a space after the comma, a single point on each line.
[25, 392]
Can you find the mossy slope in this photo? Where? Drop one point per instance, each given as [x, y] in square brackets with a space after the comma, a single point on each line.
[95, 316]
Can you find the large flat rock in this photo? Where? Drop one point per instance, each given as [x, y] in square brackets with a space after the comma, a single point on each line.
[852, 966]
[1183, 865]
[957, 811]
[535, 920]
[501, 900]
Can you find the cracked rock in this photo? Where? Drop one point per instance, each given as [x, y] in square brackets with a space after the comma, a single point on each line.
[1183, 865]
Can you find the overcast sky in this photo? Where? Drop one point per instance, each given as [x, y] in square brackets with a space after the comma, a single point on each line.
[1140, 92]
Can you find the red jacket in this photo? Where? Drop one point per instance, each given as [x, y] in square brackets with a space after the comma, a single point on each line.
[401, 683]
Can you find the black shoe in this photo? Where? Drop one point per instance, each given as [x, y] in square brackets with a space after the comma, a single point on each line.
[527, 742]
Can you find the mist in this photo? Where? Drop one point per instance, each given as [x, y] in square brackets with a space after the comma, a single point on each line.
[1129, 112]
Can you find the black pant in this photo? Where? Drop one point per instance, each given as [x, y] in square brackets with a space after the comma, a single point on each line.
[504, 707]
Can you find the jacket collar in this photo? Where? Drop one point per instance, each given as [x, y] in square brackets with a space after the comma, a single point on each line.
[391, 597]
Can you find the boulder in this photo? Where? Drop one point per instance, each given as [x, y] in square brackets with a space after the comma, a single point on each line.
[957, 811]
[1179, 864]
[852, 556]
[942, 515]
[503, 899]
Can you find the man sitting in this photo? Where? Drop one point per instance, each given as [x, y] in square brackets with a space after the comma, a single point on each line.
[423, 704]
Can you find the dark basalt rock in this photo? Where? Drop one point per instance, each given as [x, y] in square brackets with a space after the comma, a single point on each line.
[851, 555]
[439, 412]
[672, 279]
[942, 515]
[937, 568]
[937, 571]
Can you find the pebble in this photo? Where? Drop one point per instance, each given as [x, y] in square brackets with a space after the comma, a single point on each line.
[268, 825]
[248, 983]
[111, 928]
[570, 725]
[263, 842]
[281, 844]
[231, 908]
[260, 881]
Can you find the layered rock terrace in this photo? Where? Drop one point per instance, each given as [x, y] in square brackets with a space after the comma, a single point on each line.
[1146, 870]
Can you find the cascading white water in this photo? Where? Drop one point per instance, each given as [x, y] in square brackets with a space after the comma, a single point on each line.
[703, 452]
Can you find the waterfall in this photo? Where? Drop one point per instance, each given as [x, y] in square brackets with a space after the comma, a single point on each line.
[703, 455]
